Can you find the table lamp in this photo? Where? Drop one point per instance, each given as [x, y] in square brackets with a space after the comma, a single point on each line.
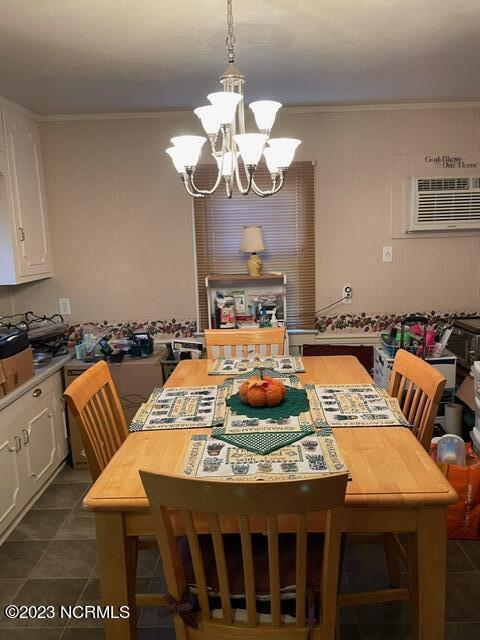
[252, 242]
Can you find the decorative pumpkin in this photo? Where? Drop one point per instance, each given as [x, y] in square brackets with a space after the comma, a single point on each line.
[261, 392]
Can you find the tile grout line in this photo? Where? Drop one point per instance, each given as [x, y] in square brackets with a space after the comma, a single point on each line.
[46, 549]
[466, 555]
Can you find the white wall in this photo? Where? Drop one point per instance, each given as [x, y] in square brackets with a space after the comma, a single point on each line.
[121, 222]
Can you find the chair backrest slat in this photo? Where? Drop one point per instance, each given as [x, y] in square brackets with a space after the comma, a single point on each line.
[221, 564]
[104, 429]
[301, 568]
[240, 343]
[248, 569]
[88, 422]
[425, 386]
[93, 400]
[189, 497]
[416, 419]
[330, 572]
[274, 569]
[197, 562]
[414, 404]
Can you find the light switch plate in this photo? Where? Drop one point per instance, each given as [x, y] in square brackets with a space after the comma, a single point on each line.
[388, 254]
[64, 307]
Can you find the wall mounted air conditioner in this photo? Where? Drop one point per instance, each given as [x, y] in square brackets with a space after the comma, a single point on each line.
[443, 204]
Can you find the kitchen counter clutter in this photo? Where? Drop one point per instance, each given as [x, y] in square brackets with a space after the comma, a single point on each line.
[39, 375]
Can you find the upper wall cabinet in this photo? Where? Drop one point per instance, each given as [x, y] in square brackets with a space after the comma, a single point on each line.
[25, 253]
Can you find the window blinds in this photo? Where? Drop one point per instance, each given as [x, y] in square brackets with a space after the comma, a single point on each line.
[287, 219]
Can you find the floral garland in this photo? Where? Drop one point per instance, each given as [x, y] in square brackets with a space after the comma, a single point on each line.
[353, 322]
[364, 322]
[168, 328]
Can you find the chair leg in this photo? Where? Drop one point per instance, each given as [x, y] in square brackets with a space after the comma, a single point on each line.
[343, 546]
[391, 553]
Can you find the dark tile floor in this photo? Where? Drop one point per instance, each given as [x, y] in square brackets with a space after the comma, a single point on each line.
[50, 558]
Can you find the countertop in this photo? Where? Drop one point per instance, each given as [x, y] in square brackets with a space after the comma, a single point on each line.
[39, 376]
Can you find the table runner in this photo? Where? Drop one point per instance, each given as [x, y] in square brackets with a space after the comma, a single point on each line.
[280, 364]
[354, 405]
[256, 434]
[312, 455]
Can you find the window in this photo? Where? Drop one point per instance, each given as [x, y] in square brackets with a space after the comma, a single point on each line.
[287, 219]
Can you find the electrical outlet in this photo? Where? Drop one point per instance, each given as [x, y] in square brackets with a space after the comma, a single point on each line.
[64, 307]
[347, 294]
[388, 254]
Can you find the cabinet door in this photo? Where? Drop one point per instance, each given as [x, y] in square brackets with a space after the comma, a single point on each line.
[12, 486]
[38, 432]
[27, 196]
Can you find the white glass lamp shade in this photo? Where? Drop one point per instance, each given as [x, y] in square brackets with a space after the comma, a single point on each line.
[265, 112]
[227, 163]
[177, 157]
[189, 148]
[208, 117]
[252, 239]
[250, 146]
[269, 155]
[283, 150]
[225, 104]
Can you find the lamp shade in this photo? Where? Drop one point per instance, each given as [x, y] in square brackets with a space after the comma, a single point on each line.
[208, 117]
[177, 157]
[225, 104]
[265, 112]
[250, 146]
[283, 150]
[252, 239]
[187, 149]
[270, 159]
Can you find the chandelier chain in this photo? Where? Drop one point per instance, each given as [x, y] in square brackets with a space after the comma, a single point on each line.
[230, 39]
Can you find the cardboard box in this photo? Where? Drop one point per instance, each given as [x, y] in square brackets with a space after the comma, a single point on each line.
[466, 392]
[134, 379]
[15, 370]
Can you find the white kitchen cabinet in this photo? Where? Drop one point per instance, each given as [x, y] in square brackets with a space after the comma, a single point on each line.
[33, 443]
[39, 437]
[14, 484]
[25, 253]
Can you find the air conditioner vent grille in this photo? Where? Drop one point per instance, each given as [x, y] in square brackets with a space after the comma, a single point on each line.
[445, 203]
[443, 184]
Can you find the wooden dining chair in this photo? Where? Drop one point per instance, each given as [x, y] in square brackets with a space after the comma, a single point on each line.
[93, 400]
[418, 387]
[212, 556]
[240, 343]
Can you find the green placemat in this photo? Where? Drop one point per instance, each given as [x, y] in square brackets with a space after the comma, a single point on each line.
[294, 403]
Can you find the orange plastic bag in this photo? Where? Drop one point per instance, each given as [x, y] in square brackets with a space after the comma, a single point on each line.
[463, 518]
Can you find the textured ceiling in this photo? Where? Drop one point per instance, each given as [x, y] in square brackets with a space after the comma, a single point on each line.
[93, 56]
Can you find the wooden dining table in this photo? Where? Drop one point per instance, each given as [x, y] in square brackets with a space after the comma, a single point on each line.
[395, 487]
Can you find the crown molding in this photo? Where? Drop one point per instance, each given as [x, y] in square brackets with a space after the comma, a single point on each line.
[141, 115]
[400, 106]
[312, 109]
[175, 113]
[5, 102]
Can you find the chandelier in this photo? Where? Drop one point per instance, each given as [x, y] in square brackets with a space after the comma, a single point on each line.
[224, 123]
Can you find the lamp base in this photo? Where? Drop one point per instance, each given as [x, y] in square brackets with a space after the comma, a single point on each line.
[254, 265]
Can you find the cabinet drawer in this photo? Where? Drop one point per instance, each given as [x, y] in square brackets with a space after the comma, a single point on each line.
[37, 394]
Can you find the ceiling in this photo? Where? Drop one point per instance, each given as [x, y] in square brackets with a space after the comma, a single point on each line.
[94, 56]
